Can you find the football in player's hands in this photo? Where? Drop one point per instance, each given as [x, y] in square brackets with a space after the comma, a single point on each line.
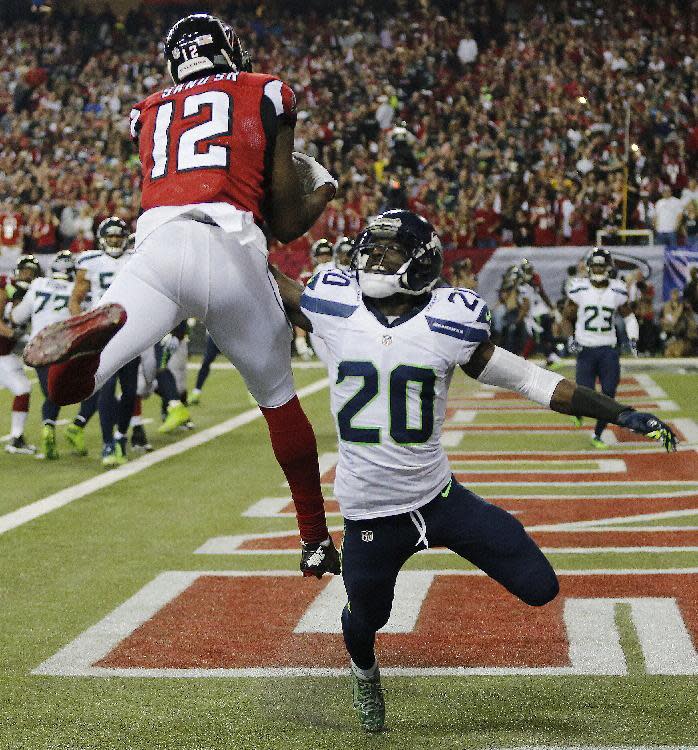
[649, 425]
[320, 558]
[311, 174]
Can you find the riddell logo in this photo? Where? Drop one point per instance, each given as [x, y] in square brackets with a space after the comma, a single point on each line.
[367, 536]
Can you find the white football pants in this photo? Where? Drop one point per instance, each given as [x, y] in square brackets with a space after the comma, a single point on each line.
[12, 375]
[189, 269]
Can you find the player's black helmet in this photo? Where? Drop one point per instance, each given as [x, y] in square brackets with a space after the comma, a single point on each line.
[112, 236]
[200, 44]
[28, 262]
[600, 264]
[342, 252]
[416, 239]
[63, 266]
[320, 247]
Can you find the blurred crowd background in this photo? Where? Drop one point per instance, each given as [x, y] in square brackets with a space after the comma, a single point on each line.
[502, 122]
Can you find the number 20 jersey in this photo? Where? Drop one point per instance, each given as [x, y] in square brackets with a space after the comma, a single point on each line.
[211, 140]
[389, 384]
[596, 307]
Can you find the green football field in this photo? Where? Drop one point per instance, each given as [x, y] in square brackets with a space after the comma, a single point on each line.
[157, 606]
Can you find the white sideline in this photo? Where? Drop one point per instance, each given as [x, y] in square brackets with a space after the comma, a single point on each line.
[41, 507]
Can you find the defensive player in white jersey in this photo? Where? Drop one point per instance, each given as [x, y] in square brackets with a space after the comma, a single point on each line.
[46, 302]
[394, 340]
[539, 321]
[592, 304]
[96, 272]
[322, 258]
[12, 374]
[217, 162]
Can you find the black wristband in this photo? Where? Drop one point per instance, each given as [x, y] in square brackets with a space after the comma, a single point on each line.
[589, 403]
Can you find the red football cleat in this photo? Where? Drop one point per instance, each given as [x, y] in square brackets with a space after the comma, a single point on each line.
[72, 349]
[82, 334]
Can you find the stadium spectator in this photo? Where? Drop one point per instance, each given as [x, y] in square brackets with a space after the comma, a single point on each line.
[690, 292]
[494, 106]
[667, 211]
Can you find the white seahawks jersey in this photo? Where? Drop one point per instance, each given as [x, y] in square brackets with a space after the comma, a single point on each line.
[100, 270]
[596, 307]
[537, 306]
[389, 383]
[45, 302]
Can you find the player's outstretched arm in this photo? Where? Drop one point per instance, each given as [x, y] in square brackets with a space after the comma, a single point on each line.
[291, 213]
[495, 366]
[291, 292]
[81, 289]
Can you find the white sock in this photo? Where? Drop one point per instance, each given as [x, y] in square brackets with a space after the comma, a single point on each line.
[173, 403]
[19, 419]
[364, 674]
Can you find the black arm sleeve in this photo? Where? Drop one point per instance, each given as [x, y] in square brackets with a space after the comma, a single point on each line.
[589, 403]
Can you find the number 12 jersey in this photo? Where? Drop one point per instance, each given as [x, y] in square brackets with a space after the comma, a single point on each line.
[211, 140]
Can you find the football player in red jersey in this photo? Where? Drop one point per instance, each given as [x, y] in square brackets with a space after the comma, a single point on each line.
[217, 163]
[12, 374]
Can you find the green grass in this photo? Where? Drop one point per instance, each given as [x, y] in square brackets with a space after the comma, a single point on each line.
[64, 572]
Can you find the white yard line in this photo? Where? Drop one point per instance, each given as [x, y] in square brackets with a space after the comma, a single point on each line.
[40, 508]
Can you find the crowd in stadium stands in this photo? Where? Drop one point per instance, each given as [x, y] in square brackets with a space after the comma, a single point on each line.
[502, 122]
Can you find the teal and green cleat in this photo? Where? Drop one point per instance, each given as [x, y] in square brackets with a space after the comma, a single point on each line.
[177, 415]
[75, 435]
[599, 444]
[48, 442]
[113, 455]
[368, 701]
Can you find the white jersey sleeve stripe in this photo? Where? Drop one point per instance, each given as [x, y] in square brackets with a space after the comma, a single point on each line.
[272, 91]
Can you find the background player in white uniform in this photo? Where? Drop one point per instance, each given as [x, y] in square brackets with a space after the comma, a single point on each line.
[12, 374]
[393, 341]
[96, 271]
[46, 302]
[539, 320]
[201, 253]
[592, 304]
[322, 258]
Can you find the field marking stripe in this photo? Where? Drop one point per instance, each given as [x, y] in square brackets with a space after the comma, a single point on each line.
[41, 507]
[93, 644]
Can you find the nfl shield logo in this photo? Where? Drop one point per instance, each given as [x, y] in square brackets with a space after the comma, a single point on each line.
[367, 536]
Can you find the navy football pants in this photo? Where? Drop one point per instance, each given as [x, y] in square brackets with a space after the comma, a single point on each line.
[212, 351]
[482, 533]
[49, 410]
[600, 362]
[118, 413]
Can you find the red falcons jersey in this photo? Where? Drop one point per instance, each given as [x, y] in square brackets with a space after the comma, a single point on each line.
[211, 140]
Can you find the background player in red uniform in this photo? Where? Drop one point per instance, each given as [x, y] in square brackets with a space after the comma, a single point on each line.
[12, 375]
[217, 163]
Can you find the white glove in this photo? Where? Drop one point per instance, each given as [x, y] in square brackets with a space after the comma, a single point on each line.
[170, 342]
[311, 173]
[633, 347]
